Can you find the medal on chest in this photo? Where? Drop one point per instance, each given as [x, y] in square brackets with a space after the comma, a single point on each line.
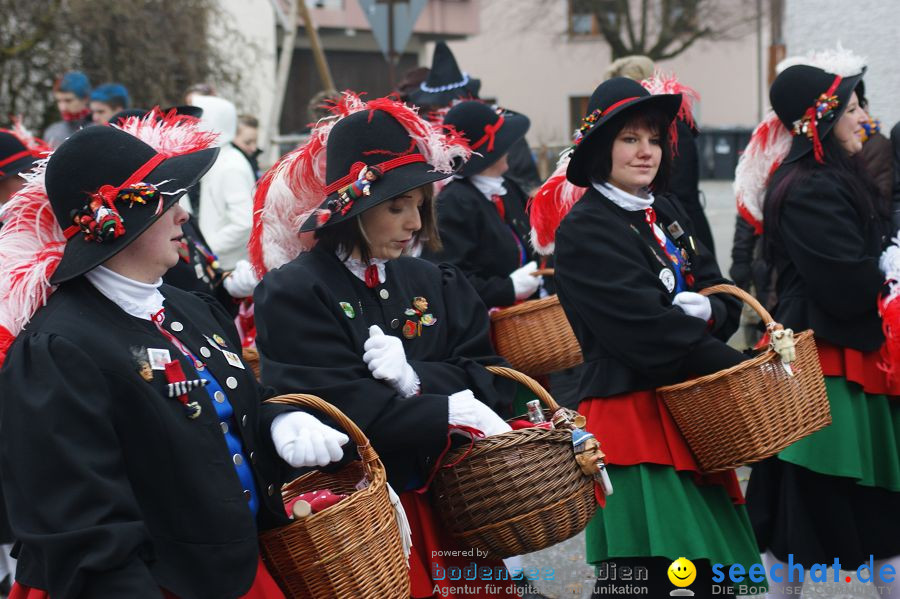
[417, 317]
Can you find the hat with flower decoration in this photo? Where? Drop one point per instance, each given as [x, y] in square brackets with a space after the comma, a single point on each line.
[363, 155]
[613, 96]
[106, 187]
[32, 243]
[809, 101]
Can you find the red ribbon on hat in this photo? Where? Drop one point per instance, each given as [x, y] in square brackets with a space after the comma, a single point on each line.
[109, 192]
[810, 115]
[18, 156]
[383, 167]
[490, 133]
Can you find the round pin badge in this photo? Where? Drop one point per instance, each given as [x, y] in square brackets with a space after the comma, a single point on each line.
[668, 278]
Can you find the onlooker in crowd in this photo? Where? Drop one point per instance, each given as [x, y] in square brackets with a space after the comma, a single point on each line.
[107, 100]
[70, 92]
[245, 140]
[226, 191]
[876, 151]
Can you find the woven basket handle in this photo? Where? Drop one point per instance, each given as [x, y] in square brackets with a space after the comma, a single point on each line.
[543, 272]
[534, 386]
[746, 298]
[303, 400]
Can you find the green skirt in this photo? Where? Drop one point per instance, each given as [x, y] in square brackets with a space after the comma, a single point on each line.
[659, 512]
[862, 442]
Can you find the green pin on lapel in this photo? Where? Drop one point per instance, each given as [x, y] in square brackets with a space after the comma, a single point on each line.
[348, 310]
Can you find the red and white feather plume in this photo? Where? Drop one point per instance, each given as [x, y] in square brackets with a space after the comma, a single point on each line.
[294, 189]
[768, 145]
[31, 240]
[555, 198]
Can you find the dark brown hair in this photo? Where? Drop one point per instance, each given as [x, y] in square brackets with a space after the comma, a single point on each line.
[601, 153]
[346, 236]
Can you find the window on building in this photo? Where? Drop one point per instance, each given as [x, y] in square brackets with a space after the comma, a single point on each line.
[584, 16]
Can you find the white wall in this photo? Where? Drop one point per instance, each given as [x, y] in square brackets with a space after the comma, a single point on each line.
[870, 28]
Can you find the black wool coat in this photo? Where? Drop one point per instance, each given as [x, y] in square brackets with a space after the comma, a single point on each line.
[112, 491]
[825, 252]
[476, 240]
[309, 343]
[608, 268]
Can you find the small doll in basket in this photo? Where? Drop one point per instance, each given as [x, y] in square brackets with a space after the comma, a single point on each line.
[628, 272]
[398, 344]
[481, 212]
[121, 397]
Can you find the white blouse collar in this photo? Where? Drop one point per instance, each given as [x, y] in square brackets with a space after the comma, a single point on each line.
[141, 300]
[623, 199]
[489, 186]
[358, 268]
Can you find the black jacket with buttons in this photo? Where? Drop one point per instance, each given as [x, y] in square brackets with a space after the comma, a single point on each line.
[310, 343]
[476, 240]
[111, 489]
[609, 281]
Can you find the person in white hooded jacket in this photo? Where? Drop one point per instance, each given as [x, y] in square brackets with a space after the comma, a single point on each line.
[226, 191]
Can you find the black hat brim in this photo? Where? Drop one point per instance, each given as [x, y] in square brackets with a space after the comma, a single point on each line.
[514, 127]
[578, 171]
[801, 145]
[420, 97]
[17, 166]
[178, 172]
[393, 183]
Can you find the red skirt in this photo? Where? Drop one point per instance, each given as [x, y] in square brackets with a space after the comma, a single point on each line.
[857, 367]
[432, 563]
[264, 587]
[637, 428]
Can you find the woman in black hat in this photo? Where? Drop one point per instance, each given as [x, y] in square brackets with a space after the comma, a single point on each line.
[481, 213]
[398, 344]
[627, 272]
[136, 457]
[833, 494]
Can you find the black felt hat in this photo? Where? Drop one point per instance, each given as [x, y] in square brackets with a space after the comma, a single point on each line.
[612, 97]
[490, 132]
[370, 157]
[809, 101]
[106, 187]
[15, 155]
[445, 81]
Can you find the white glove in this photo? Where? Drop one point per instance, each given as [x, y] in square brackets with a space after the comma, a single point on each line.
[386, 360]
[242, 280]
[524, 284]
[693, 304]
[301, 440]
[466, 410]
[889, 262]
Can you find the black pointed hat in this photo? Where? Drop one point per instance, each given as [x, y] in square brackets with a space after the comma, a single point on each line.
[445, 81]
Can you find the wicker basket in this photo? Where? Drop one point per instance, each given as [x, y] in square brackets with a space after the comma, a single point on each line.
[351, 549]
[535, 336]
[251, 357]
[755, 409]
[515, 492]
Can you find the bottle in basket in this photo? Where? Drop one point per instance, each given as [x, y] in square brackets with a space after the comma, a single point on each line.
[536, 415]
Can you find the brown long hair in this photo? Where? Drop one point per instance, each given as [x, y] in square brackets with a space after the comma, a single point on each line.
[347, 235]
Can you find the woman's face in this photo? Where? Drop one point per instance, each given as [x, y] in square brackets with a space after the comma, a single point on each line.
[390, 226]
[155, 251]
[636, 154]
[849, 127]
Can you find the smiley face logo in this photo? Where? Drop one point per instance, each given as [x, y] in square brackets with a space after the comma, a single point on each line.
[682, 572]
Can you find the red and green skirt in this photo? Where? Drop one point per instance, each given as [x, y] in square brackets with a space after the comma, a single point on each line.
[835, 493]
